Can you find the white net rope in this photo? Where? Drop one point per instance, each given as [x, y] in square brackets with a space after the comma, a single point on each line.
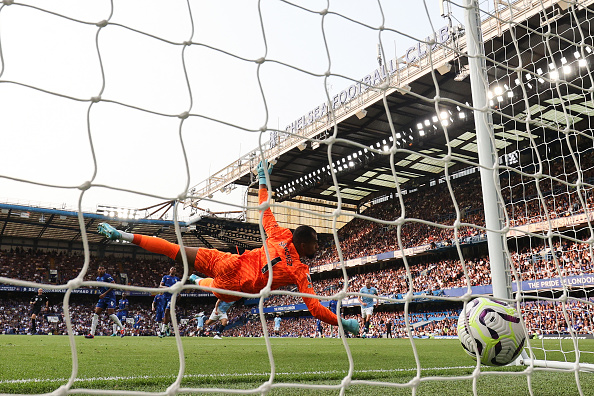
[541, 101]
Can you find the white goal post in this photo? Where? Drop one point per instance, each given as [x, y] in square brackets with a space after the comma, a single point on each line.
[491, 191]
[424, 216]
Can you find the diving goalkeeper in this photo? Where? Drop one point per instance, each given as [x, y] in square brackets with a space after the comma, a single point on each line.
[248, 272]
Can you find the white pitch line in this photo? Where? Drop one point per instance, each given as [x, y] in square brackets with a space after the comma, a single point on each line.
[33, 380]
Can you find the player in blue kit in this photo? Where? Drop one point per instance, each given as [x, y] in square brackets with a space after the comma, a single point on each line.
[159, 310]
[168, 281]
[367, 303]
[107, 300]
[219, 314]
[277, 323]
[122, 312]
[332, 305]
[199, 324]
[319, 329]
[137, 320]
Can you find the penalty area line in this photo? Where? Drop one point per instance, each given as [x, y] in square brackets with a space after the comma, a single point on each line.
[221, 375]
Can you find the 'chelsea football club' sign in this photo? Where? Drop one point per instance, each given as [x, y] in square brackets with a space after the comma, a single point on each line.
[374, 78]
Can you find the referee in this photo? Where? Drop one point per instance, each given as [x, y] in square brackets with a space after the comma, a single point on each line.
[38, 302]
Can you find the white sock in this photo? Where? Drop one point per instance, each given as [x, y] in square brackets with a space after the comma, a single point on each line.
[116, 321]
[162, 328]
[126, 236]
[114, 328]
[94, 322]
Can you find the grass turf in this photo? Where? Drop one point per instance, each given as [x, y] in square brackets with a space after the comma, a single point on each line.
[39, 364]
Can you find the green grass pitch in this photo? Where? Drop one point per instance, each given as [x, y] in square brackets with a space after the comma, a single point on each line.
[40, 364]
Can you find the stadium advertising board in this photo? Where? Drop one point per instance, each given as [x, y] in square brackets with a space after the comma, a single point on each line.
[560, 222]
[541, 284]
[6, 288]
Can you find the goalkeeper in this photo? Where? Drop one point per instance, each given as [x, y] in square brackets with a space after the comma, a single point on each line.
[248, 272]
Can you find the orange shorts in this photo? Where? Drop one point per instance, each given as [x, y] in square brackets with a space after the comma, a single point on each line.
[223, 267]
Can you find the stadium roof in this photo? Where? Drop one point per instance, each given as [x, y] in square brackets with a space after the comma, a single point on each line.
[34, 223]
[301, 169]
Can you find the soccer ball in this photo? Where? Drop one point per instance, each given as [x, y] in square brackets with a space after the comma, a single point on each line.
[493, 330]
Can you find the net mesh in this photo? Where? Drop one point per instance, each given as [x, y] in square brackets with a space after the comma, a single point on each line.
[86, 91]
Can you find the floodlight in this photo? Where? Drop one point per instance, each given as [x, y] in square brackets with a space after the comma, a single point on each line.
[421, 133]
[497, 90]
[554, 75]
[582, 63]
[361, 114]
[563, 60]
[577, 55]
[434, 118]
[419, 126]
[427, 123]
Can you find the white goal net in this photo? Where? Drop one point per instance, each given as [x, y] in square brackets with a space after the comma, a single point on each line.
[139, 102]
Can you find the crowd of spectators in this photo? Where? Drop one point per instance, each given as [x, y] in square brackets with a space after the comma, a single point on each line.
[525, 202]
[363, 237]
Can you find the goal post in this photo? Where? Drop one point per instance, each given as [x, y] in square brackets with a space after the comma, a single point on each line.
[489, 162]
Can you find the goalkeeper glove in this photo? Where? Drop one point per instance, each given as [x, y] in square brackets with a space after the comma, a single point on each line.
[108, 231]
[350, 325]
[263, 166]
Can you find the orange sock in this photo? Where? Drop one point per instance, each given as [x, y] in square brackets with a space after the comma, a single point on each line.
[206, 282]
[156, 245]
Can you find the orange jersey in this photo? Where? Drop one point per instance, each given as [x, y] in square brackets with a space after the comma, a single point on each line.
[249, 272]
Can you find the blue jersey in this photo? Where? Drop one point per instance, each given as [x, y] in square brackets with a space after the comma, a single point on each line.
[169, 280]
[108, 279]
[160, 302]
[200, 321]
[368, 300]
[332, 306]
[123, 304]
[319, 326]
[137, 318]
[277, 321]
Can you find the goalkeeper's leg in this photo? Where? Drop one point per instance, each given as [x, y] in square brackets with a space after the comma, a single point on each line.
[159, 246]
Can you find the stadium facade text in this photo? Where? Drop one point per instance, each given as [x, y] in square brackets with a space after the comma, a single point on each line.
[412, 55]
